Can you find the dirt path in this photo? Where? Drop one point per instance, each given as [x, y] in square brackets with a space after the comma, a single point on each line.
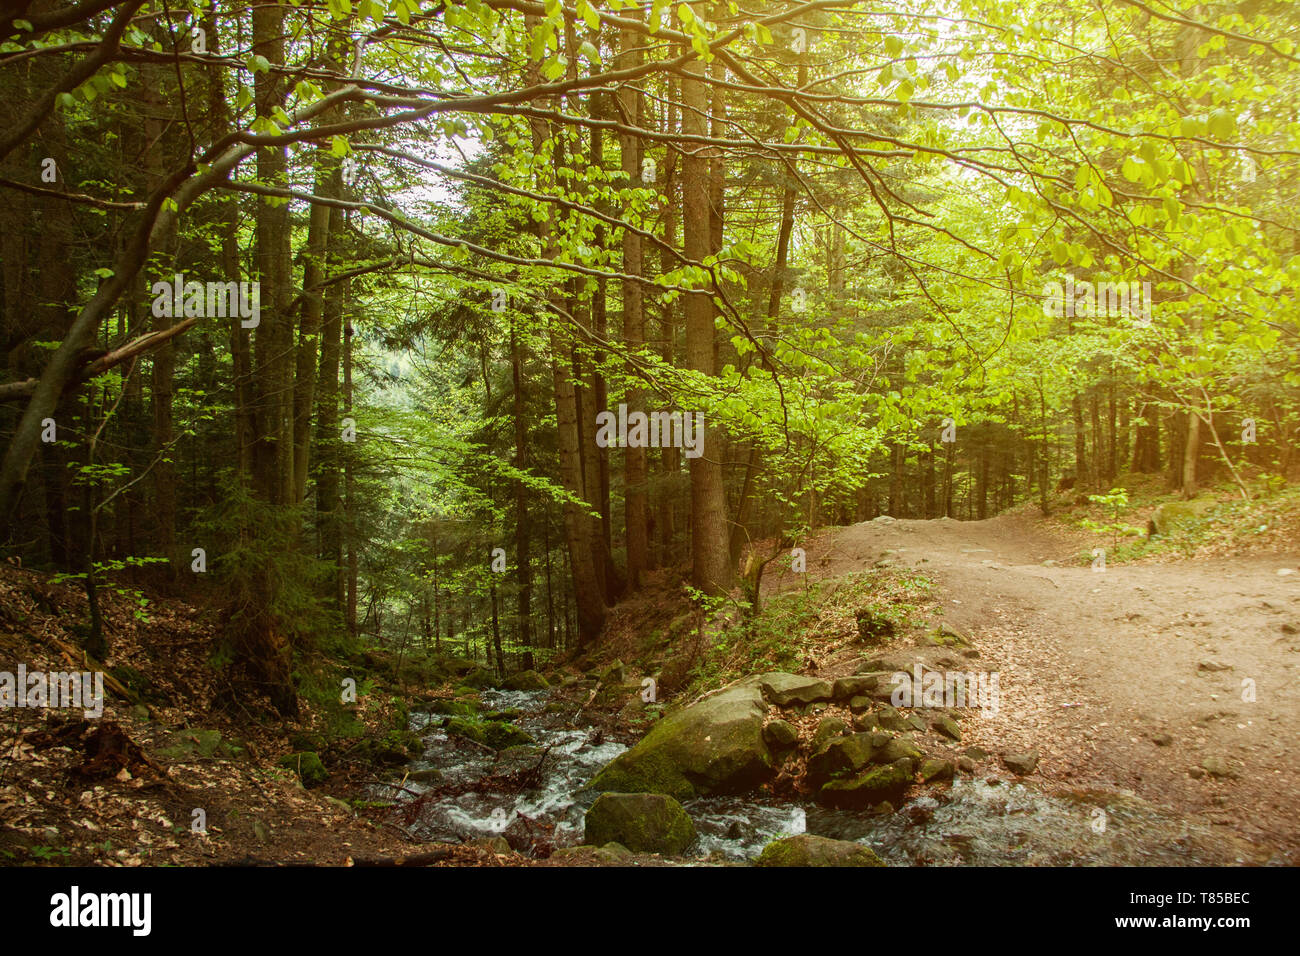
[1124, 679]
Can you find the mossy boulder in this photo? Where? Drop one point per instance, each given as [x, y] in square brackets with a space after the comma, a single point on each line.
[828, 728]
[896, 748]
[780, 735]
[497, 734]
[642, 822]
[933, 770]
[713, 746]
[808, 850]
[479, 678]
[843, 755]
[460, 707]
[307, 766]
[526, 680]
[197, 744]
[1172, 514]
[877, 784]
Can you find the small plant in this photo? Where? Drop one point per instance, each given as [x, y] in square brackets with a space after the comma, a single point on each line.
[1116, 501]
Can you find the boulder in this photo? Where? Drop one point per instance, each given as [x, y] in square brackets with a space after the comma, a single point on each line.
[933, 769]
[843, 755]
[641, 822]
[896, 748]
[828, 728]
[856, 686]
[1218, 767]
[715, 745]
[496, 734]
[947, 727]
[873, 786]
[809, 850]
[785, 690]
[1172, 514]
[526, 680]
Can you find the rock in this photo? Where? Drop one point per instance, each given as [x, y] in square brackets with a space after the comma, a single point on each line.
[856, 686]
[808, 850]
[965, 765]
[496, 734]
[827, 728]
[526, 680]
[883, 519]
[140, 712]
[465, 707]
[1196, 773]
[875, 628]
[425, 775]
[713, 746]
[842, 755]
[897, 748]
[1172, 514]
[859, 705]
[1218, 767]
[261, 831]
[879, 783]
[307, 766]
[944, 636]
[644, 822]
[479, 678]
[947, 727]
[976, 753]
[616, 673]
[890, 719]
[194, 744]
[1023, 764]
[1213, 666]
[786, 689]
[780, 734]
[341, 805]
[495, 844]
[866, 721]
[1162, 740]
[932, 769]
[917, 723]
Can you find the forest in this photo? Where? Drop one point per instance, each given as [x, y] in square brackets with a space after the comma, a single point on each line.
[461, 346]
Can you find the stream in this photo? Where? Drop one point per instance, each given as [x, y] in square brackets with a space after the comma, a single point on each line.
[976, 821]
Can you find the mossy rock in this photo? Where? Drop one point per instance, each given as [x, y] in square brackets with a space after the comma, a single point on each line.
[642, 822]
[307, 766]
[197, 744]
[460, 707]
[828, 728]
[715, 745]
[1173, 514]
[897, 748]
[844, 755]
[616, 673]
[526, 680]
[479, 679]
[497, 734]
[809, 850]
[877, 784]
[780, 735]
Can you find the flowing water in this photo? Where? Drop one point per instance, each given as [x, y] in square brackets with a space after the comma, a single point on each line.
[975, 821]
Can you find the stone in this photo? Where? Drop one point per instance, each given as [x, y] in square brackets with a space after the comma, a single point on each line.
[780, 734]
[965, 765]
[307, 766]
[859, 705]
[1173, 514]
[932, 769]
[715, 745]
[641, 822]
[897, 748]
[827, 729]
[526, 680]
[1022, 764]
[784, 690]
[879, 783]
[809, 850]
[857, 686]
[1218, 767]
[841, 755]
[946, 727]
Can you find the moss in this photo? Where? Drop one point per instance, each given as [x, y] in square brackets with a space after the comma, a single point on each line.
[526, 680]
[307, 766]
[644, 822]
[808, 850]
[496, 734]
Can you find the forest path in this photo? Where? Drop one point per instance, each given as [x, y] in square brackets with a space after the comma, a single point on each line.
[1127, 678]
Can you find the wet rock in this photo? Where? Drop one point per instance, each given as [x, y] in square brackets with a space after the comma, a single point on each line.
[643, 822]
[783, 690]
[425, 775]
[713, 746]
[1023, 764]
[780, 734]
[808, 850]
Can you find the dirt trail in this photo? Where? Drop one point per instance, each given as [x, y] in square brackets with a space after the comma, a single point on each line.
[1123, 679]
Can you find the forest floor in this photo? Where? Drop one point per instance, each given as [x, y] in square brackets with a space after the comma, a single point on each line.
[1127, 678]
